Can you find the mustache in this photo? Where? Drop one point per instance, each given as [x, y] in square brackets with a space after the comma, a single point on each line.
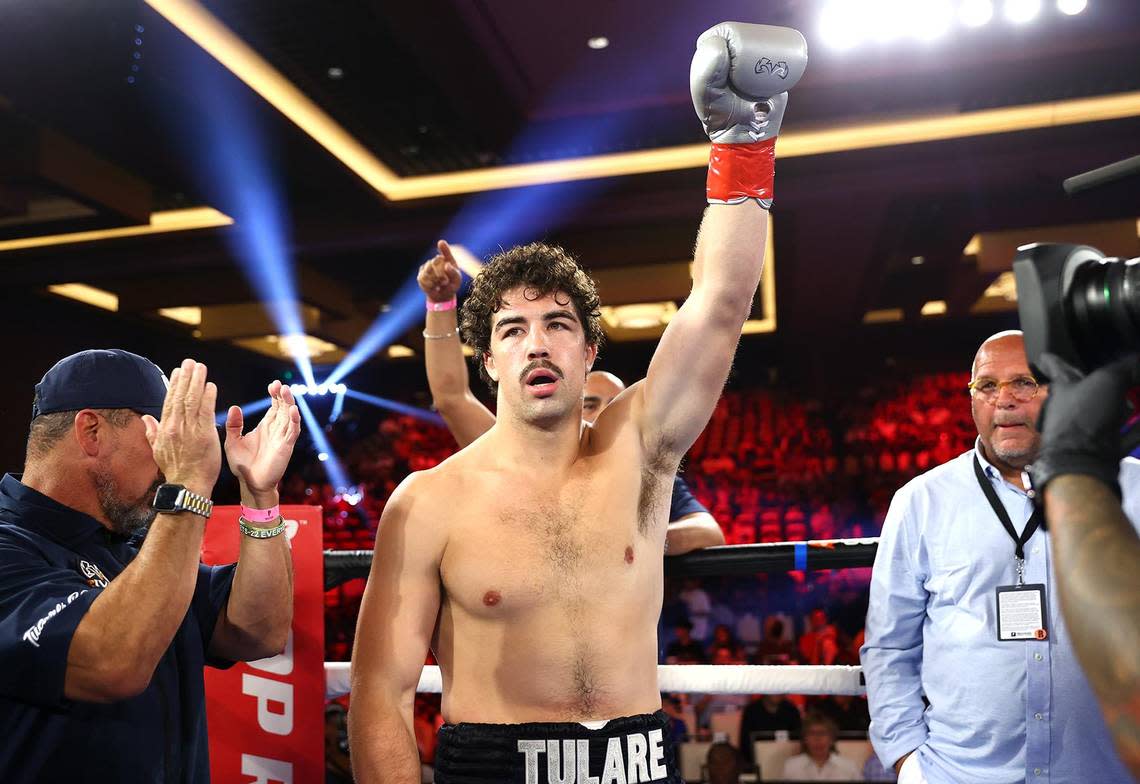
[545, 364]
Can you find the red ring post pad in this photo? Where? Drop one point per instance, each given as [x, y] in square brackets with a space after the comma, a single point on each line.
[741, 171]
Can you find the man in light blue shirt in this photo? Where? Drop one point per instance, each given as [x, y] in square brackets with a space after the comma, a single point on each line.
[994, 711]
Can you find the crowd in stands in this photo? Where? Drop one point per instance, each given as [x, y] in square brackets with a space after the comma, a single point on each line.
[770, 468]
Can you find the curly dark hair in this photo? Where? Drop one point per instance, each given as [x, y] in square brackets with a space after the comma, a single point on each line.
[543, 269]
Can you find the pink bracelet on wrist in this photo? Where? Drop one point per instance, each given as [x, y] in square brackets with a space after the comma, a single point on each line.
[436, 307]
[260, 515]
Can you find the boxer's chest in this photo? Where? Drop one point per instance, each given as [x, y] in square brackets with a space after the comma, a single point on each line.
[523, 543]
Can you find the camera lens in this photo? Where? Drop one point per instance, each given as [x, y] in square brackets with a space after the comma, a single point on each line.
[1103, 305]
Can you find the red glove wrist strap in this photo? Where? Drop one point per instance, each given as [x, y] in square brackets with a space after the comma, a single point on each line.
[741, 171]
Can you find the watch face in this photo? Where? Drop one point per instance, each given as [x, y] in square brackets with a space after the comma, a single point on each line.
[166, 496]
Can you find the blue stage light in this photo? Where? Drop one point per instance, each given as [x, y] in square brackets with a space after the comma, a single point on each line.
[333, 467]
[404, 309]
[247, 410]
[338, 404]
[230, 153]
[401, 408]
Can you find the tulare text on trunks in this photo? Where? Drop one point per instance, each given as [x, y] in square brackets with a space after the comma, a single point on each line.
[639, 760]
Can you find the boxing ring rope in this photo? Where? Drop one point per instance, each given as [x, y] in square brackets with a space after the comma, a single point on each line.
[344, 565]
[697, 678]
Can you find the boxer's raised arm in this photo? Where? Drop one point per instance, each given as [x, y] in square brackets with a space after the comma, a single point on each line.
[393, 635]
[447, 375]
[695, 354]
[739, 81]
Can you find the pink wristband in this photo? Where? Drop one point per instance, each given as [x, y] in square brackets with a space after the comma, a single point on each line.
[438, 306]
[260, 515]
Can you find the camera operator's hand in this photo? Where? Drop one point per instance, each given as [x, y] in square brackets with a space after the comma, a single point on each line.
[1081, 420]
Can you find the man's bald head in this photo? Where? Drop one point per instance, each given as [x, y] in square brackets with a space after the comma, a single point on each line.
[1006, 340]
[601, 388]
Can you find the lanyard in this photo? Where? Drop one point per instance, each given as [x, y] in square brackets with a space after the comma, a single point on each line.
[1031, 526]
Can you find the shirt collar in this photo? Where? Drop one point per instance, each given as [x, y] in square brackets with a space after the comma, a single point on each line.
[989, 469]
[987, 466]
[33, 510]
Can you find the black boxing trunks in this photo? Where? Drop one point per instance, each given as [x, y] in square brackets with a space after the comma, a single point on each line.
[629, 750]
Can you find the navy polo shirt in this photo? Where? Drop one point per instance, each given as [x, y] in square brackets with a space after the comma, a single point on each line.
[54, 562]
[683, 503]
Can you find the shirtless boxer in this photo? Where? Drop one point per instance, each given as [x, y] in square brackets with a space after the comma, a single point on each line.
[530, 562]
[691, 527]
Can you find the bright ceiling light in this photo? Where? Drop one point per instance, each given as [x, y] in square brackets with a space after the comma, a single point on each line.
[931, 19]
[975, 13]
[884, 316]
[1071, 7]
[935, 307]
[841, 25]
[1003, 287]
[186, 315]
[888, 20]
[999, 297]
[160, 222]
[300, 345]
[87, 294]
[640, 315]
[396, 351]
[598, 42]
[1021, 11]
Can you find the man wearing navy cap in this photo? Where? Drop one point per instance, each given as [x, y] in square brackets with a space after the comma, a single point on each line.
[103, 634]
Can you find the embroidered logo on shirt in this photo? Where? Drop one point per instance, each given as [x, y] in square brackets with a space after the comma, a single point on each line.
[33, 633]
[95, 577]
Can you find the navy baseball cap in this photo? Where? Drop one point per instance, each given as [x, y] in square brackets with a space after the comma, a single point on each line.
[101, 378]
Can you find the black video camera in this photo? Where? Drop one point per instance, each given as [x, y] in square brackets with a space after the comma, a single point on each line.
[1077, 304]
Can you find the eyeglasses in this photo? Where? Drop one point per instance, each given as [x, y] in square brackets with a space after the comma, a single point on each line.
[1023, 388]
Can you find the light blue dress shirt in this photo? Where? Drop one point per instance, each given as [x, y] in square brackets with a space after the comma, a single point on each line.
[1000, 712]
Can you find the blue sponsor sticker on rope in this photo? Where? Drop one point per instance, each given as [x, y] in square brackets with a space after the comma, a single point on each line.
[800, 552]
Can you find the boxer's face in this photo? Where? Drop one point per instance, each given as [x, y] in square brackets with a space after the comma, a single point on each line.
[539, 356]
[1006, 426]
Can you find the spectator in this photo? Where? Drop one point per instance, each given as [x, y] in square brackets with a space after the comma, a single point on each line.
[699, 604]
[820, 643]
[767, 713]
[685, 650]
[748, 630]
[723, 764]
[723, 640]
[818, 760]
[676, 713]
[848, 712]
[775, 648]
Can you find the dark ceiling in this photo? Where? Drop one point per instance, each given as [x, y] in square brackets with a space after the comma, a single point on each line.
[432, 86]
